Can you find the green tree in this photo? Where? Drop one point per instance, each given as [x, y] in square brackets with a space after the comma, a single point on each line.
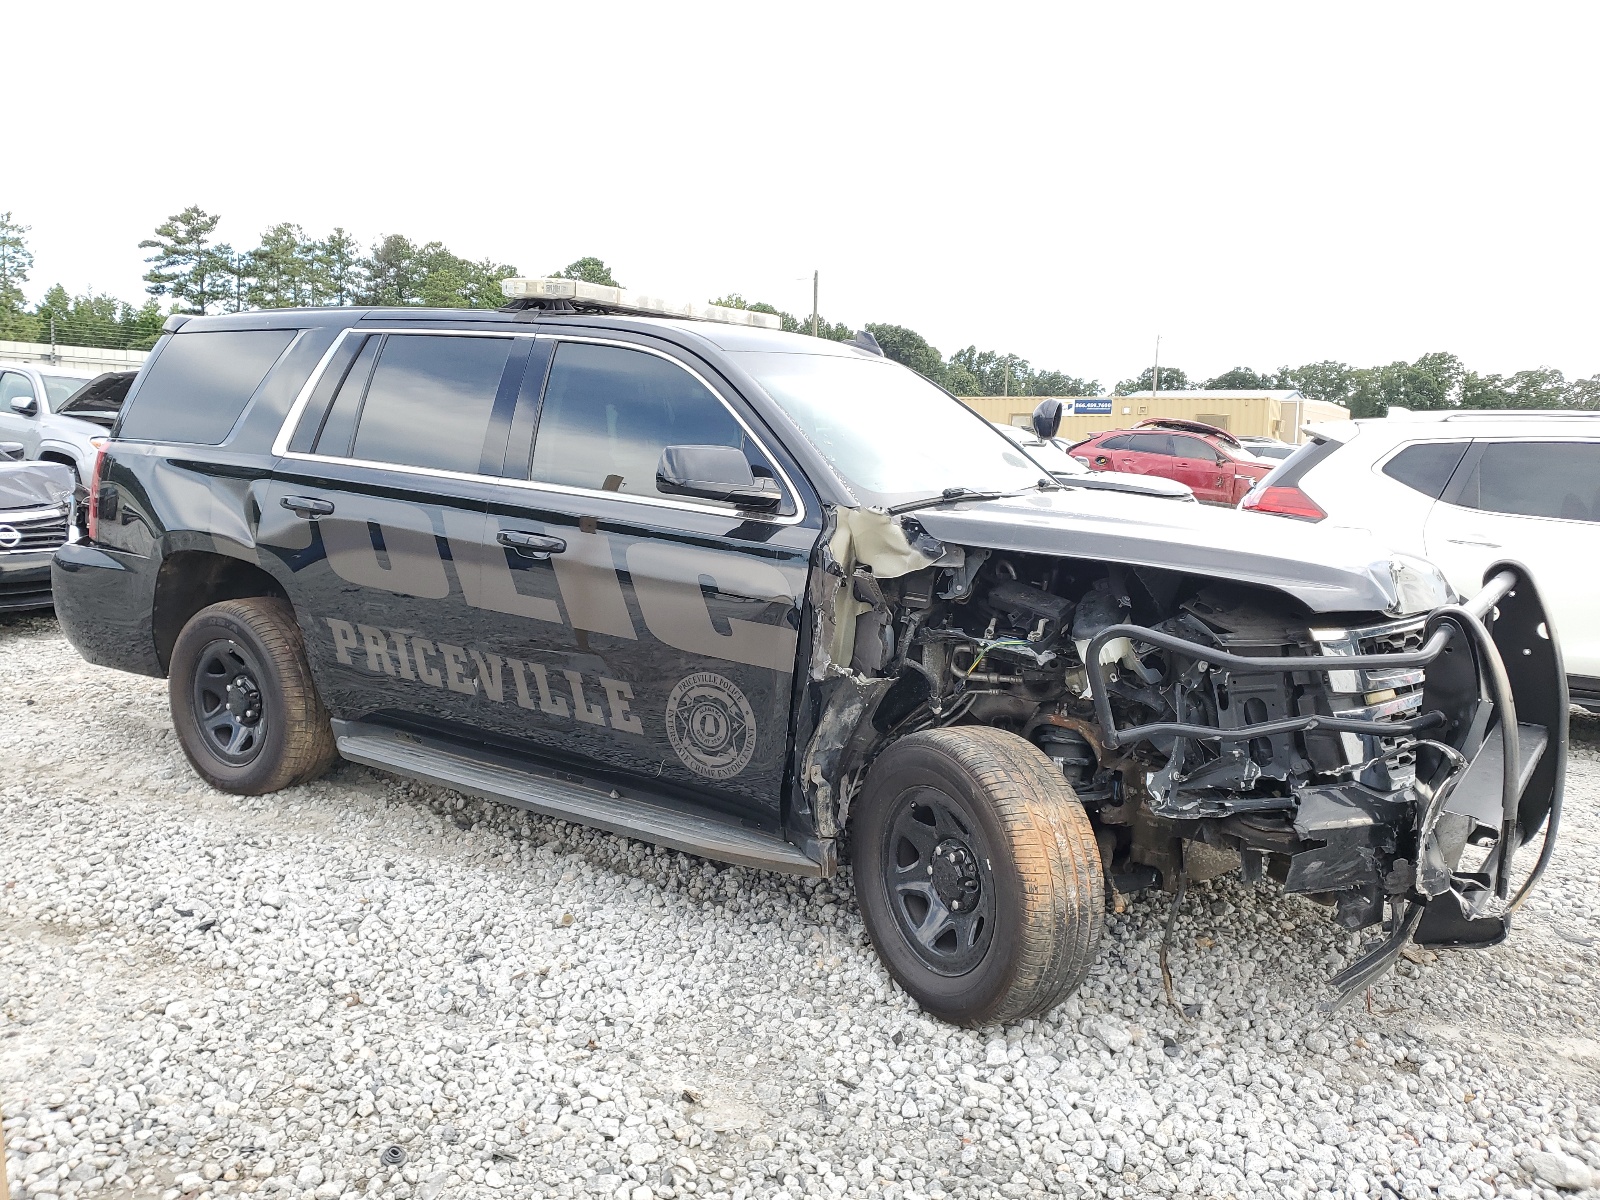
[283, 269]
[97, 320]
[1172, 380]
[588, 269]
[1584, 393]
[16, 323]
[910, 349]
[1326, 380]
[185, 266]
[1544, 387]
[336, 262]
[1239, 379]
[1059, 383]
[394, 272]
[1432, 382]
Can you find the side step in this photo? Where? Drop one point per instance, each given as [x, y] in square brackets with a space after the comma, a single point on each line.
[528, 786]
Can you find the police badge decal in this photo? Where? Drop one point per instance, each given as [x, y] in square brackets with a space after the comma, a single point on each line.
[711, 725]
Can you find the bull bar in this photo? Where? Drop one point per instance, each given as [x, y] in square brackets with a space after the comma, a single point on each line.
[1523, 805]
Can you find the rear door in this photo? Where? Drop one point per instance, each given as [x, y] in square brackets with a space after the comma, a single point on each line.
[1195, 463]
[648, 633]
[376, 513]
[1537, 503]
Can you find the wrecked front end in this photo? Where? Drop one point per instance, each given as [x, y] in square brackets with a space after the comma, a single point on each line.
[1388, 763]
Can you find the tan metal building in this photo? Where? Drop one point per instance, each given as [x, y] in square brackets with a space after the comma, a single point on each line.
[1278, 414]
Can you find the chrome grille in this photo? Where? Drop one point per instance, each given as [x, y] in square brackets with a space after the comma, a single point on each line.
[32, 530]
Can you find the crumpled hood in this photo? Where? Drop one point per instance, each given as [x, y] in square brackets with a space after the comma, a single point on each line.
[34, 485]
[1327, 569]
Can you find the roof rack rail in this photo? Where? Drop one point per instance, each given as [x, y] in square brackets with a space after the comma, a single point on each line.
[1491, 414]
[575, 295]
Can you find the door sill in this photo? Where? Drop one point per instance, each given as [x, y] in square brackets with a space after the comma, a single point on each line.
[629, 812]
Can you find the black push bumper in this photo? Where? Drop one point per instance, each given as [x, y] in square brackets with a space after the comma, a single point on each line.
[1492, 741]
[105, 601]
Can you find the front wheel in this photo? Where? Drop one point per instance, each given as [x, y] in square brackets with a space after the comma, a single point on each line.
[977, 874]
[246, 711]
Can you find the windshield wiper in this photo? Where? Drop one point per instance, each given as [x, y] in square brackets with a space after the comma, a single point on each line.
[945, 497]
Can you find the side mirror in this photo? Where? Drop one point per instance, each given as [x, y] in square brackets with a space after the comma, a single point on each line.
[715, 473]
[26, 405]
[12, 451]
[1047, 418]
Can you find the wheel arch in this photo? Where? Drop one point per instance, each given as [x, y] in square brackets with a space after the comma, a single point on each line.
[190, 580]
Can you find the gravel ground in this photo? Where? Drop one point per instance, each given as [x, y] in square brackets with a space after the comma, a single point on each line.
[203, 995]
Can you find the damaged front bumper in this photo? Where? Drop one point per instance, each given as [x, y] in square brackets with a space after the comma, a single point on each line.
[1489, 738]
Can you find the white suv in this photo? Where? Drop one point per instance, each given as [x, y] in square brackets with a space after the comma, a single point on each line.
[1468, 489]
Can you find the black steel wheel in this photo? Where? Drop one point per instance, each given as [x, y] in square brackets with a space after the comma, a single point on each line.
[941, 885]
[978, 875]
[243, 703]
[228, 704]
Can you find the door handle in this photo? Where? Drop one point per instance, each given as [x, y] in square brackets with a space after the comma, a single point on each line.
[308, 507]
[530, 545]
[1473, 542]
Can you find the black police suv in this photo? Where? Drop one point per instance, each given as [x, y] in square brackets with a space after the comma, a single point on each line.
[767, 598]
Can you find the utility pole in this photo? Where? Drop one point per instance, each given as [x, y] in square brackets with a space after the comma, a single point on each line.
[1005, 387]
[1155, 378]
[814, 276]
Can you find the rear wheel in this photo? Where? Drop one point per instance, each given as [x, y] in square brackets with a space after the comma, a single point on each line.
[977, 874]
[245, 709]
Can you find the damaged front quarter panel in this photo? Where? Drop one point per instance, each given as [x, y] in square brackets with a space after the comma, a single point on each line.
[852, 645]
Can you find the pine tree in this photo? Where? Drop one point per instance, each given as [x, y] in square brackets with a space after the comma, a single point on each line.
[185, 265]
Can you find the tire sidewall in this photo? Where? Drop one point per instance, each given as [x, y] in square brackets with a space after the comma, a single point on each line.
[962, 999]
[258, 775]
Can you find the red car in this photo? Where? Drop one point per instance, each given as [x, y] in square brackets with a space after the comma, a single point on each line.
[1210, 460]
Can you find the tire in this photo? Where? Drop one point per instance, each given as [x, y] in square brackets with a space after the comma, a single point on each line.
[1009, 843]
[265, 735]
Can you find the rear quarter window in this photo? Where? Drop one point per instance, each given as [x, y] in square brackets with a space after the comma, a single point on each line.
[1426, 467]
[200, 383]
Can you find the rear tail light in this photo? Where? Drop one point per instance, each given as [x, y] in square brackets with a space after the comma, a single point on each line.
[92, 524]
[1283, 502]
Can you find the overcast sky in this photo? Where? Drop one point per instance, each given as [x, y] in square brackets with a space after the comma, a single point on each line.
[1261, 185]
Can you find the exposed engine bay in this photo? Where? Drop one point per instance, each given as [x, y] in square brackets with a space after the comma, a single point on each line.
[1206, 725]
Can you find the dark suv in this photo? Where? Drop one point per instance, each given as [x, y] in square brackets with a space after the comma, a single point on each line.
[762, 597]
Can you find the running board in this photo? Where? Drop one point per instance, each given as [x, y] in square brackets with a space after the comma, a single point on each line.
[526, 785]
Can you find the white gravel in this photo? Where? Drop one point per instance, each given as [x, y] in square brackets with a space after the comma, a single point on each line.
[203, 995]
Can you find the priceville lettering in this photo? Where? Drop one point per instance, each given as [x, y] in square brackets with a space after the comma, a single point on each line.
[563, 694]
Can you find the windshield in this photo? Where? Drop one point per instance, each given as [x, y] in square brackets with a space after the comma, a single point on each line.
[59, 387]
[886, 429]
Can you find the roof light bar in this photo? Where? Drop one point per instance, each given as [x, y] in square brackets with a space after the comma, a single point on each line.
[613, 299]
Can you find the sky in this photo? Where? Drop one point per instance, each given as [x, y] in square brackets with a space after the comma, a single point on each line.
[1260, 185]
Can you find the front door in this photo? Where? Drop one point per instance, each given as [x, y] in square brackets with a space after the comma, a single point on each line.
[1537, 503]
[1143, 454]
[649, 634]
[19, 426]
[375, 514]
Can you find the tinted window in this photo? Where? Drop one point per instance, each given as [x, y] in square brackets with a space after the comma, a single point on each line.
[1537, 479]
[1192, 447]
[608, 414]
[1119, 442]
[1426, 468]
[200, 383]
[1149, 443]
[340, 425]
[430, 401]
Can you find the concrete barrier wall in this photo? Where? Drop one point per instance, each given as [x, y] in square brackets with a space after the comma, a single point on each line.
[90, 359]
